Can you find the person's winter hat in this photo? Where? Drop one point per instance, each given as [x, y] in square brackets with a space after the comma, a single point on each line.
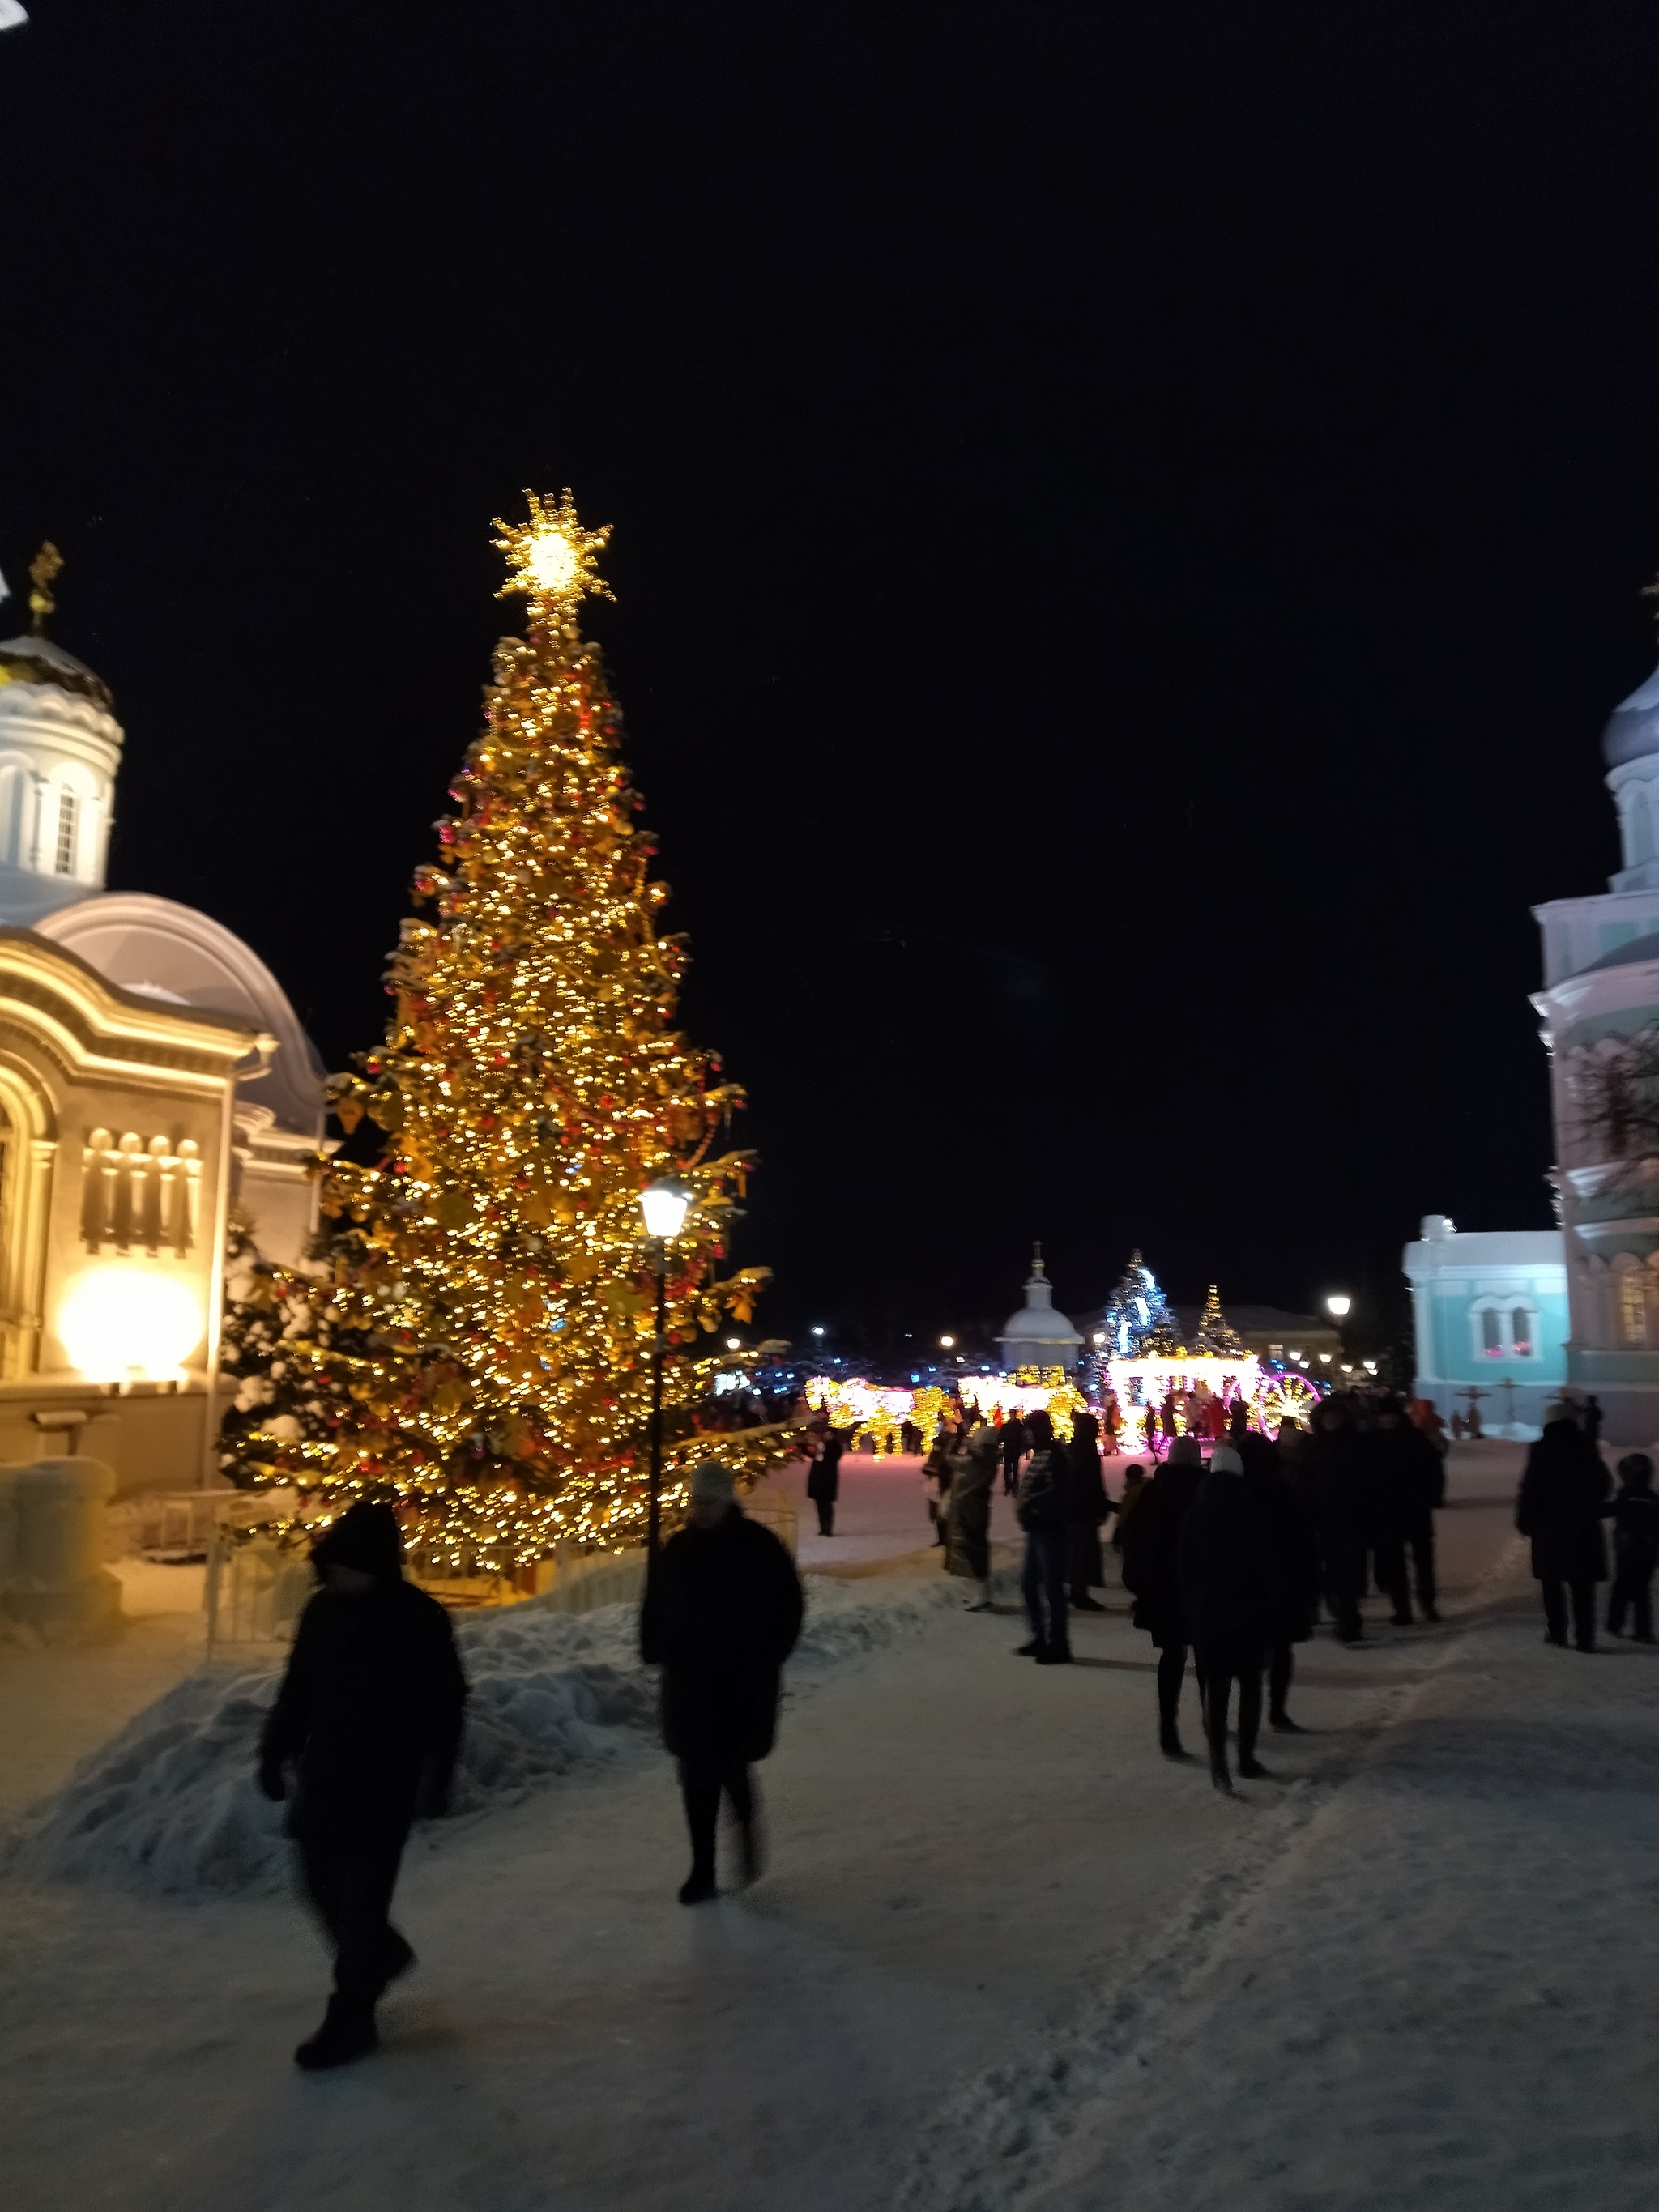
[1225, 1460]
[711, 1479]
[366, 1537]
[1636, 1470]
[1185, 1452]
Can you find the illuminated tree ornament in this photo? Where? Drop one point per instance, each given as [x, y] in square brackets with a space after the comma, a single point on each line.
[552, 558]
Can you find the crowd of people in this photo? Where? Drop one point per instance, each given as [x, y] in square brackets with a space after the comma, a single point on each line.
[1229, 1561]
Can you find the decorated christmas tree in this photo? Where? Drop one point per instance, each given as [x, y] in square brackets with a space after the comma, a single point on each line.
[1216, 1339]
[481, 1349]
[1138, 1318]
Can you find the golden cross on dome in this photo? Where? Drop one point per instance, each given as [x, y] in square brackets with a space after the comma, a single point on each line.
[44, 567]
[552, 558]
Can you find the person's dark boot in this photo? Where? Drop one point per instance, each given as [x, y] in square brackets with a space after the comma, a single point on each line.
[1033, 1650]
[1086, 1604]
[1169, 1740]
[1055, 1654]
[347, 2032]
[1281, 1724]
[698, 1887]
[1219, 1776]
[1431, 1613]
[1250, 1766]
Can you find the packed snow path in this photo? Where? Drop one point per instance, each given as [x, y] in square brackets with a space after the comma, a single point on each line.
[1007, 1954]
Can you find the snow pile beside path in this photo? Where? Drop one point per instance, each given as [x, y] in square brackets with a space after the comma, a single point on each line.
[171, 1800]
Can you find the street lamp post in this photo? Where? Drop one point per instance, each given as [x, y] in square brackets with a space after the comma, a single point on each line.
[664, 1204]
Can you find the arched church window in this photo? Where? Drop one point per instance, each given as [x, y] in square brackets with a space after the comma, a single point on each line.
[1491, 1333]
[1633, 1309]
[66, 812]
[1520, 1330]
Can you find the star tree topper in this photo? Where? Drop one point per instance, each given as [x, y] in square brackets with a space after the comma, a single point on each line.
[552, 558]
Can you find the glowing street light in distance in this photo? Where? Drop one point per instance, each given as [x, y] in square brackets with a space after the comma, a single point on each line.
[948, 1342]
[1338, 1304]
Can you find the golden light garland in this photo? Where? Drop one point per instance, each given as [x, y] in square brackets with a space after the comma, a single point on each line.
[491, 1290]
[870, 1409]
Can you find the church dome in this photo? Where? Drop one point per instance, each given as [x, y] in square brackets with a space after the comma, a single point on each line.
[1037, 1334]
[34, 659]
[1632, 731]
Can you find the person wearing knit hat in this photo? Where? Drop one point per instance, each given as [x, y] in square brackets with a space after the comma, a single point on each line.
[722, 1611]
[362, 1738]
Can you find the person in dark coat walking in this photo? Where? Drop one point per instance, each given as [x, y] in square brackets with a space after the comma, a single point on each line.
[1299, 1551]
[1635, 1517]
[1043, 1511]
[1087, 1509]
[722, 1611]
[1234, 1584]
[1333, 1479]
[1015, 1445]
[1408, 1485]
[1150, 1539]
[1563, 1489]
[366, 1726]
[823, 1479]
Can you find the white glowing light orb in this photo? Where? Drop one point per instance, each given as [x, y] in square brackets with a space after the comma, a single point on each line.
[818, 1332]
[1338, 1305]
[122, 1324]
[947, 1341]
[734, 1344]
[664, 1204]
[552, 561]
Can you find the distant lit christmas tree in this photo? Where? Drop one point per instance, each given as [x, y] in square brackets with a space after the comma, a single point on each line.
[488, 1308]
[1138, 1318]
[1216, 1339]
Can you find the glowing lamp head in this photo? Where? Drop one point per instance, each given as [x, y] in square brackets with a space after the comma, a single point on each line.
[948, 1342]
[664, 1204]
[818, 1332]
[1338, 1304]
[1100, 1336]
[734, 1344]
[123, 1324]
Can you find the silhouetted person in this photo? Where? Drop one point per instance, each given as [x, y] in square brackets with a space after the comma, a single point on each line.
[722, 1611]
[1015, 1445]
[1233, 1582]
[369, 1715]
[1149, 1536]
[1087, 1507]
[1333, 1479]
[973, 1478]
[1591, 1417]
[1563, 1489]
[1043, 1509]
[823, 1479]
[1409, 1482]
[1635, 1516]
[1297, 1549]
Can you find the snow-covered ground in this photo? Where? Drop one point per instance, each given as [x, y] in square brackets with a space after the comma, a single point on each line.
[1005, 1953]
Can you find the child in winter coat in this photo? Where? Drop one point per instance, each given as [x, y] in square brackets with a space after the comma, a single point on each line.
[1635, 1516]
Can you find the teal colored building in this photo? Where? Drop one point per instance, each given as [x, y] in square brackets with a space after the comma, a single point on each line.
[1492, 1323]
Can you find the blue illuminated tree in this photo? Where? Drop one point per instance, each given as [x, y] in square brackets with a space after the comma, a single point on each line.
[1138, 1316]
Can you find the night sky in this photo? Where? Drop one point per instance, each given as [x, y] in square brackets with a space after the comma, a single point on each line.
[1128, 527]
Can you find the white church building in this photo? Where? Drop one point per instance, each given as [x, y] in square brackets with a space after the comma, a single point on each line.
[1489, 1314]
[152, 1071]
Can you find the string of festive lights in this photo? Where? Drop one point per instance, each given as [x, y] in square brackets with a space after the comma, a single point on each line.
[489, 1297]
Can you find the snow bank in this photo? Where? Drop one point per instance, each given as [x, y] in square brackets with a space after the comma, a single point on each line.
[170, 1802]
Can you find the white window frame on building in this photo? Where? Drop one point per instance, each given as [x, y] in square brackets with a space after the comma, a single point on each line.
[1493, 1333]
